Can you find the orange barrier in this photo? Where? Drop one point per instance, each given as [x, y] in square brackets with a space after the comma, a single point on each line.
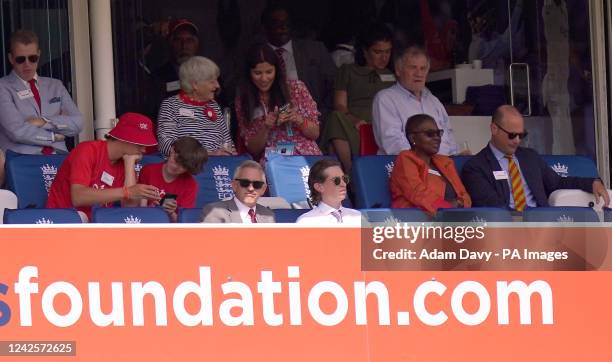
[286, 294]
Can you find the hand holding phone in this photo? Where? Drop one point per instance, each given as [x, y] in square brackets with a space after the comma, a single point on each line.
[168, 203]
[285, 108]
[167, 197]
[282, 114]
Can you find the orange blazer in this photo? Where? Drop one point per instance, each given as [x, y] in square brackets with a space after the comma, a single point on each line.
[412, 186]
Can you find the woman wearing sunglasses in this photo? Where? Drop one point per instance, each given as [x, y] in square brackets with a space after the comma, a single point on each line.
[275, 115]
[327, 183]
[421, 177]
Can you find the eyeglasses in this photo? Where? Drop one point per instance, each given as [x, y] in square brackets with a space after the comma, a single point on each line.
[31, 58]
[513, 135]
[431, 133]
[246, 183]
[338, 179]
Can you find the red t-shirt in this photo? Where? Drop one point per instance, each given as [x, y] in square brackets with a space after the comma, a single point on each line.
[88, 164]
[184, 187]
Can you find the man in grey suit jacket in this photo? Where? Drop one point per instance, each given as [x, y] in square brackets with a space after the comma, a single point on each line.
[306, 60]
[36, 113]
[249, 184]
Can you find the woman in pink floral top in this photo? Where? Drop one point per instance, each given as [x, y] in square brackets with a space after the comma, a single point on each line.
[275, 115]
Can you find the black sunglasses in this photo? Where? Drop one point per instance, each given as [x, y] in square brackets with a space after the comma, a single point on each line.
[31, 58]
[513, 135]
[246, 183]
[431, 133]
[336, 180]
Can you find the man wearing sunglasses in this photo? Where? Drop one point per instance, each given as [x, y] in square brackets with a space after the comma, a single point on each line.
[504, 174]
[327, 183]
[249, 184]
[37, 113]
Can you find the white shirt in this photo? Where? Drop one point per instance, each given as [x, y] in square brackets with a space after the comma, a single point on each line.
[344, 54]
[290, 67]
[26, 83]
[244, 211]
[390, 111]
[321, 215]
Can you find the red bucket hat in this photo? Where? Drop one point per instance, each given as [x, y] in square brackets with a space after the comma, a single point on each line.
[134, 128]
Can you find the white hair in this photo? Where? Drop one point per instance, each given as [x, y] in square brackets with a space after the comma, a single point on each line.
[409, 52]
[197, 69]
[250, 164]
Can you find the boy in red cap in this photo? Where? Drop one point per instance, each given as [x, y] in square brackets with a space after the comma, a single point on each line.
[177, 187]
[102, 172]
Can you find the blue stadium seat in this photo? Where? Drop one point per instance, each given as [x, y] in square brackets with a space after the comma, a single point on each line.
[580, 166]
[395, 215]
[147, 159]
[215, 181]
[560, 214]
[189, 215]
[370, 180]
[287, 176]
[288, 216]
[41, 216]
[129, 215]
[30, 177]
[460, 161]
[607, 213]
[474, 214]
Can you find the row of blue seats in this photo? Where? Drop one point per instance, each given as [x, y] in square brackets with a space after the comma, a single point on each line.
[30, 176]
[370, 176]
[157, 215]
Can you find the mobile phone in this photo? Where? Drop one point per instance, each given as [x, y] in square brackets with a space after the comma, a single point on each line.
[284, 108]
[167, 197]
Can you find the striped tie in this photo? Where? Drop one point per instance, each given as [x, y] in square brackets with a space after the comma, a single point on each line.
[518, 193]
[337, 215]
[281, 60]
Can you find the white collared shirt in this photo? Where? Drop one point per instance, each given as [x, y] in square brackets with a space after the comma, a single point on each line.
[26, 82]
[322, 215]
[390, 111]
[244, 211]
[290, 67]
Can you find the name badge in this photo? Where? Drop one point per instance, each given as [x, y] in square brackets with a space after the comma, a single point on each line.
[387, 77]
[107, 178]
[434, 172]
[25, 94]
[184, 112]
[285, 148]
[173, 86]
[500, 175]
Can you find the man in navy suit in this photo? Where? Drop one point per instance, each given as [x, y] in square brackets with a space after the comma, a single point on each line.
[488, 176]
[36, 113]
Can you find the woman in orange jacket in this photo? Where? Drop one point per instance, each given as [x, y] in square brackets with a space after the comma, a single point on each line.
[422, 178]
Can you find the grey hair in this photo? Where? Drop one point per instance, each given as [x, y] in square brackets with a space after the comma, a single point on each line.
[250, 164]
[409, 52]
[197, 69]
